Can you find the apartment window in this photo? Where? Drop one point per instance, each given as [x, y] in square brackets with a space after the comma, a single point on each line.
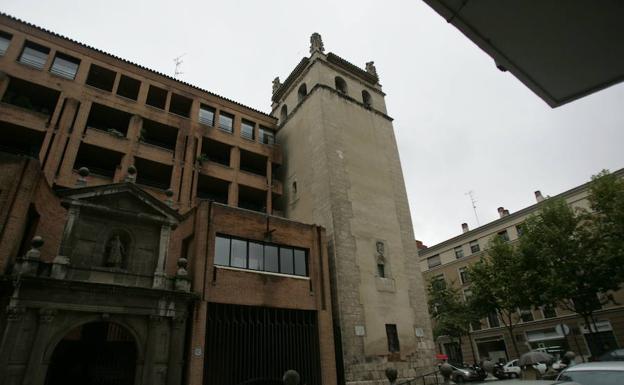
[434, 261]
[180, 105]
[467, 294]
[549, 311]
[128, 87]
[474, 246]
[267, 136]
[206, 115]
[503, 235]
[526, 315]
[226, 122]
[438, 282]
[520, 229]
[254, 255]
[247, 130]
[65, 66]
[34, 55]
[463, 275]
[393, 338]
[5, 40]
[493, 320]
[459, 252]
[100, 77]
[156, 97]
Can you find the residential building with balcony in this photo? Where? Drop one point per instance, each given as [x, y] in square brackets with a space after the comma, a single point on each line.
[448, 261]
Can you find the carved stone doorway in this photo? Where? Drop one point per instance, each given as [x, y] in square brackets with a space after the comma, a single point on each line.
[96, 353]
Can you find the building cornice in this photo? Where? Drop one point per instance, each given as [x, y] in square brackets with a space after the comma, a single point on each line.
[435, 249]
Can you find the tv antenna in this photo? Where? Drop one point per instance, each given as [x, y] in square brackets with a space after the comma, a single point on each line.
[474, 205]
[178, 63]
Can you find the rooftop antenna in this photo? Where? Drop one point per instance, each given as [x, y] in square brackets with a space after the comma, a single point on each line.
[178, 62]
[474, 206]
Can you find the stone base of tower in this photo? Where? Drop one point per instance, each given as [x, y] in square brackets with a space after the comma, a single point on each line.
[374, 373]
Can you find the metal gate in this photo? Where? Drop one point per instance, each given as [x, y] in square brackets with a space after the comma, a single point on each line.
[247, 344]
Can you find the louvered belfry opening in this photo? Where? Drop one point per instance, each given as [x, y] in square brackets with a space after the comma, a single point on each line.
[248, 344]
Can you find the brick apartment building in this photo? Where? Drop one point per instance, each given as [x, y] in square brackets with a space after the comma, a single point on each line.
[165, 228]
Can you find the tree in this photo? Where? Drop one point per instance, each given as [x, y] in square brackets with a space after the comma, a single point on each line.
[452, 316]
[578, 253]
[499, 285]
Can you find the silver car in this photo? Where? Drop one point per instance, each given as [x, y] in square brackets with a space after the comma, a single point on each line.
[595, 373]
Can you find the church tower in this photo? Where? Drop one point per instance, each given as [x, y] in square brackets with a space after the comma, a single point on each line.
[342, 171]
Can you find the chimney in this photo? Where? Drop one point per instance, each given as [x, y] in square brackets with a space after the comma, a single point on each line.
[465, 227]
[506, 212]
[501, 212]
[538, 196]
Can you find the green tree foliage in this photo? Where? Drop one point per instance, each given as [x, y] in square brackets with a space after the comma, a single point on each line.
[577, 255]
[451, 314]
[500, 284]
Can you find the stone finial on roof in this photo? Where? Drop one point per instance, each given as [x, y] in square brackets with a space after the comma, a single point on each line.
[370, 68]
[316, 43]
[276, 84]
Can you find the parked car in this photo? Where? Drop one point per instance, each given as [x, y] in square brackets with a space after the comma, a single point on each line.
[512, 370]
[613, 355]
[464, 374]
[595, 373]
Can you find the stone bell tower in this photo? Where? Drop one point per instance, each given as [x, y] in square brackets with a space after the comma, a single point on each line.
[342, 171]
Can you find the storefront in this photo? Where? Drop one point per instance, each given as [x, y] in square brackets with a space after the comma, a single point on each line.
[493, 348]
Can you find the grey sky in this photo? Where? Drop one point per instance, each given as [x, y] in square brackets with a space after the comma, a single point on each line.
[460, 123]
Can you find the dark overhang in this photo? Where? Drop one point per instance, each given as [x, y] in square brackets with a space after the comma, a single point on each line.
[561, 50]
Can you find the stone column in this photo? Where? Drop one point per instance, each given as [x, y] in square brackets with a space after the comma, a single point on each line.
[149, 370]
[15, 317]
[176, 350]
[36, 370]
[160, 278]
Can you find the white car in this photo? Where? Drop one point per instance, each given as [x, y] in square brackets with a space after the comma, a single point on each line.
[513, 370]
[595, 373]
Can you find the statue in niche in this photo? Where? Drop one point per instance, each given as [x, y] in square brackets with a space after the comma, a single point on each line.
[370, 68]
[116, 251]
[380, 248]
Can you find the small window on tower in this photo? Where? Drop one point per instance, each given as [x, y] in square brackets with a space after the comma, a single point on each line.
[393, 338]
[341, 85]
[302, 92]
[381, 270]
[283, 113]
[366, 99]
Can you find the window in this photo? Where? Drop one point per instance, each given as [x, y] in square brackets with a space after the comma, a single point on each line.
[283, 113]
[254, 255]
[65, 66]
[247, 130]
[100, 77]
[459, 252]
[267, 136]
[381, 270]
[549, 311]
[180, 105]
[302, 92]
[526, 315]
[156, 97]
[5, 40]
[467, 294]
[463, 275]
[34, 55]
[341, 85]
[128, 87]
[438, 282]
[393, 338]
[520, 229]
[493, 320]
[206, 115]
[475, 325]
[503, 235]
[474, 246]
[366, 99]
[226, 122]
[434, 261]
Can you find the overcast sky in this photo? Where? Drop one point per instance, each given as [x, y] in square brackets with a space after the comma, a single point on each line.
[460, 123]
